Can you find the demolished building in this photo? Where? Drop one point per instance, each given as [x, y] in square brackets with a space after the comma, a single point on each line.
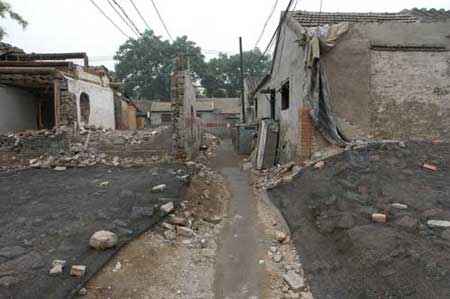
[45, 90]
[341, 77]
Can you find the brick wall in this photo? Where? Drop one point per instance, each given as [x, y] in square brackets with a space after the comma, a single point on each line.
[67, 109]
[305, 136]
[410, 93]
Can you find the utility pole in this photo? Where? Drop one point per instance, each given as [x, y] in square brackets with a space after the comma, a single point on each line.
[242, 81]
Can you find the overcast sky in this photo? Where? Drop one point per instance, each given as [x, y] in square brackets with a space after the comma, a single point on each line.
[77, 26]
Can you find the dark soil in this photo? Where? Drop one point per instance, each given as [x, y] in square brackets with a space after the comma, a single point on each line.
[346, 255]
[48, 214]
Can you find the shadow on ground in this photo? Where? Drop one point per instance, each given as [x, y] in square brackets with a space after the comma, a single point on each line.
[47, 215]
[345, 255]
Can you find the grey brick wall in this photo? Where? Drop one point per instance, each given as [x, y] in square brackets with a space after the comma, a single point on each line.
[410, 95]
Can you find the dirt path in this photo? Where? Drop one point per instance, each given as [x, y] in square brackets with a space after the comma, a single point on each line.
[238, 270]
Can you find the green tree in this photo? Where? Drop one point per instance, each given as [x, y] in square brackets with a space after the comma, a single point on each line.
[145, 65]
[5, 11]
[222, 76]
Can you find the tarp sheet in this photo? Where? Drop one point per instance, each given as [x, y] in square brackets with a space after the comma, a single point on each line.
[316, 89]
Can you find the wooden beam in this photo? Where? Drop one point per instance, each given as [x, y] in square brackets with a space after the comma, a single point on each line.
[28, 70]
[67, 64]
[57, 100]
[47, 56]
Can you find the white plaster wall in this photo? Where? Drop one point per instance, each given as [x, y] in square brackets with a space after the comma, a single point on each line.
[101, 102]
[288, 66]
[18, 110]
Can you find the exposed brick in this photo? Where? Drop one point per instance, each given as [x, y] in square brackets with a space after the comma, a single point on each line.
[305, 138]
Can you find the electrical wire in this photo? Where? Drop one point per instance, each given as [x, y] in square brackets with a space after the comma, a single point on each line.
[140, 15]
[162, 21]
[127, 17]
[122, 18]
[109, 19]
[266, 23]
[273, 38]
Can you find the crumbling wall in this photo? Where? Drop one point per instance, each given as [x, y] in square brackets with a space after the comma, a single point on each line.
[186, 131]
[410, 95]
[400, 89]
[18, 110]
[101, 101]
[68, 109]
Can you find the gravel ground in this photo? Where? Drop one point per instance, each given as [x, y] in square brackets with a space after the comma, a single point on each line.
[345, 254]
[47, 214]
[172, 266]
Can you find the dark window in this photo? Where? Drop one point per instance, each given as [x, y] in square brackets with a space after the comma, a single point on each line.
[85, 108]
[285, 96]
[166, 117]
[272, 103]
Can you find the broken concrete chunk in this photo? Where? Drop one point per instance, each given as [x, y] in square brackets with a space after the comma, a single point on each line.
[277, 258]
[175, 220]
[61, 263]
[60, 168]
[159, 188]
[190, 163]
[170, 235]
[378, 217]
[438, 224]
[82, 292]
[167, 226]
[185, 231]
[280, 236]
[294, 280]
[319, 165]
[78, 270]
[429, 167]
[247, 166]
[56, 270]
[214, 219]
[167, 208]
[103, 239]
[399, 206]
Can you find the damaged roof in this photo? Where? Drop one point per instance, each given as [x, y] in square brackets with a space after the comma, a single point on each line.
[143, 105]
[313, 19]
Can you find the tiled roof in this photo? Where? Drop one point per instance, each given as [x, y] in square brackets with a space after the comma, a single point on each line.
[204, 105]
[161, 106]
[313, 19]
[227, 105]
[143, 105]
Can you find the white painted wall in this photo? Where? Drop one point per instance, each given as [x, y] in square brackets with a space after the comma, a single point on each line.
[18, 110]
[101, 102]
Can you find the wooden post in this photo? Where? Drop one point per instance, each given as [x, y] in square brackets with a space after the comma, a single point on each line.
[56, 100]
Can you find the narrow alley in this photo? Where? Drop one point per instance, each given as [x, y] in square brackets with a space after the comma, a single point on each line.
[233, 149]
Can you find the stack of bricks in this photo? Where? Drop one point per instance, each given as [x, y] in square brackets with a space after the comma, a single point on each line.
[305, 135]
[67, 109]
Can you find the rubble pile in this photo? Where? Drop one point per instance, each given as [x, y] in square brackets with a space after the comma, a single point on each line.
[15, 141]
[270, 178]
[208, 148]
[99, 136]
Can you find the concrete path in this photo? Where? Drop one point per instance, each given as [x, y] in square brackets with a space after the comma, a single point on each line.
[238, 270]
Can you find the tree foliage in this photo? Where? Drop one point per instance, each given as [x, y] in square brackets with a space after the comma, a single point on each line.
[145, 66]
[223, 76]
[5, 11]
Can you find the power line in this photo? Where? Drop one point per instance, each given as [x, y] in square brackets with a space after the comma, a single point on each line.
[126, 16]
[140, 15]
[109, 19]
[122, 18]
[266, 23]
[283, 18]
[162, 21]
